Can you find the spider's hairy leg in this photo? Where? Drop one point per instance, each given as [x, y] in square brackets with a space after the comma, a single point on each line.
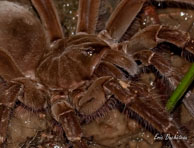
[94, 103]
[122, 17]
[9, 93]
[151, 36]
[93, 98]
[33, 95]
[88, 15]
[19, 91]
[64, 113]
[162, 63]
[50, 18]
[22, 90]
[141, 44]
[12, 92]
[142, 104]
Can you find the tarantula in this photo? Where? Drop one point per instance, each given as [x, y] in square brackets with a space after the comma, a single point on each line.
[85, 74]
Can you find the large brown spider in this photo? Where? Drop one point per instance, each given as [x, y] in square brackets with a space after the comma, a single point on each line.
[78, 78]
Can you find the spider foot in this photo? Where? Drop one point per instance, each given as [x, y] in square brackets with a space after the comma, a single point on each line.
[64, 114]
